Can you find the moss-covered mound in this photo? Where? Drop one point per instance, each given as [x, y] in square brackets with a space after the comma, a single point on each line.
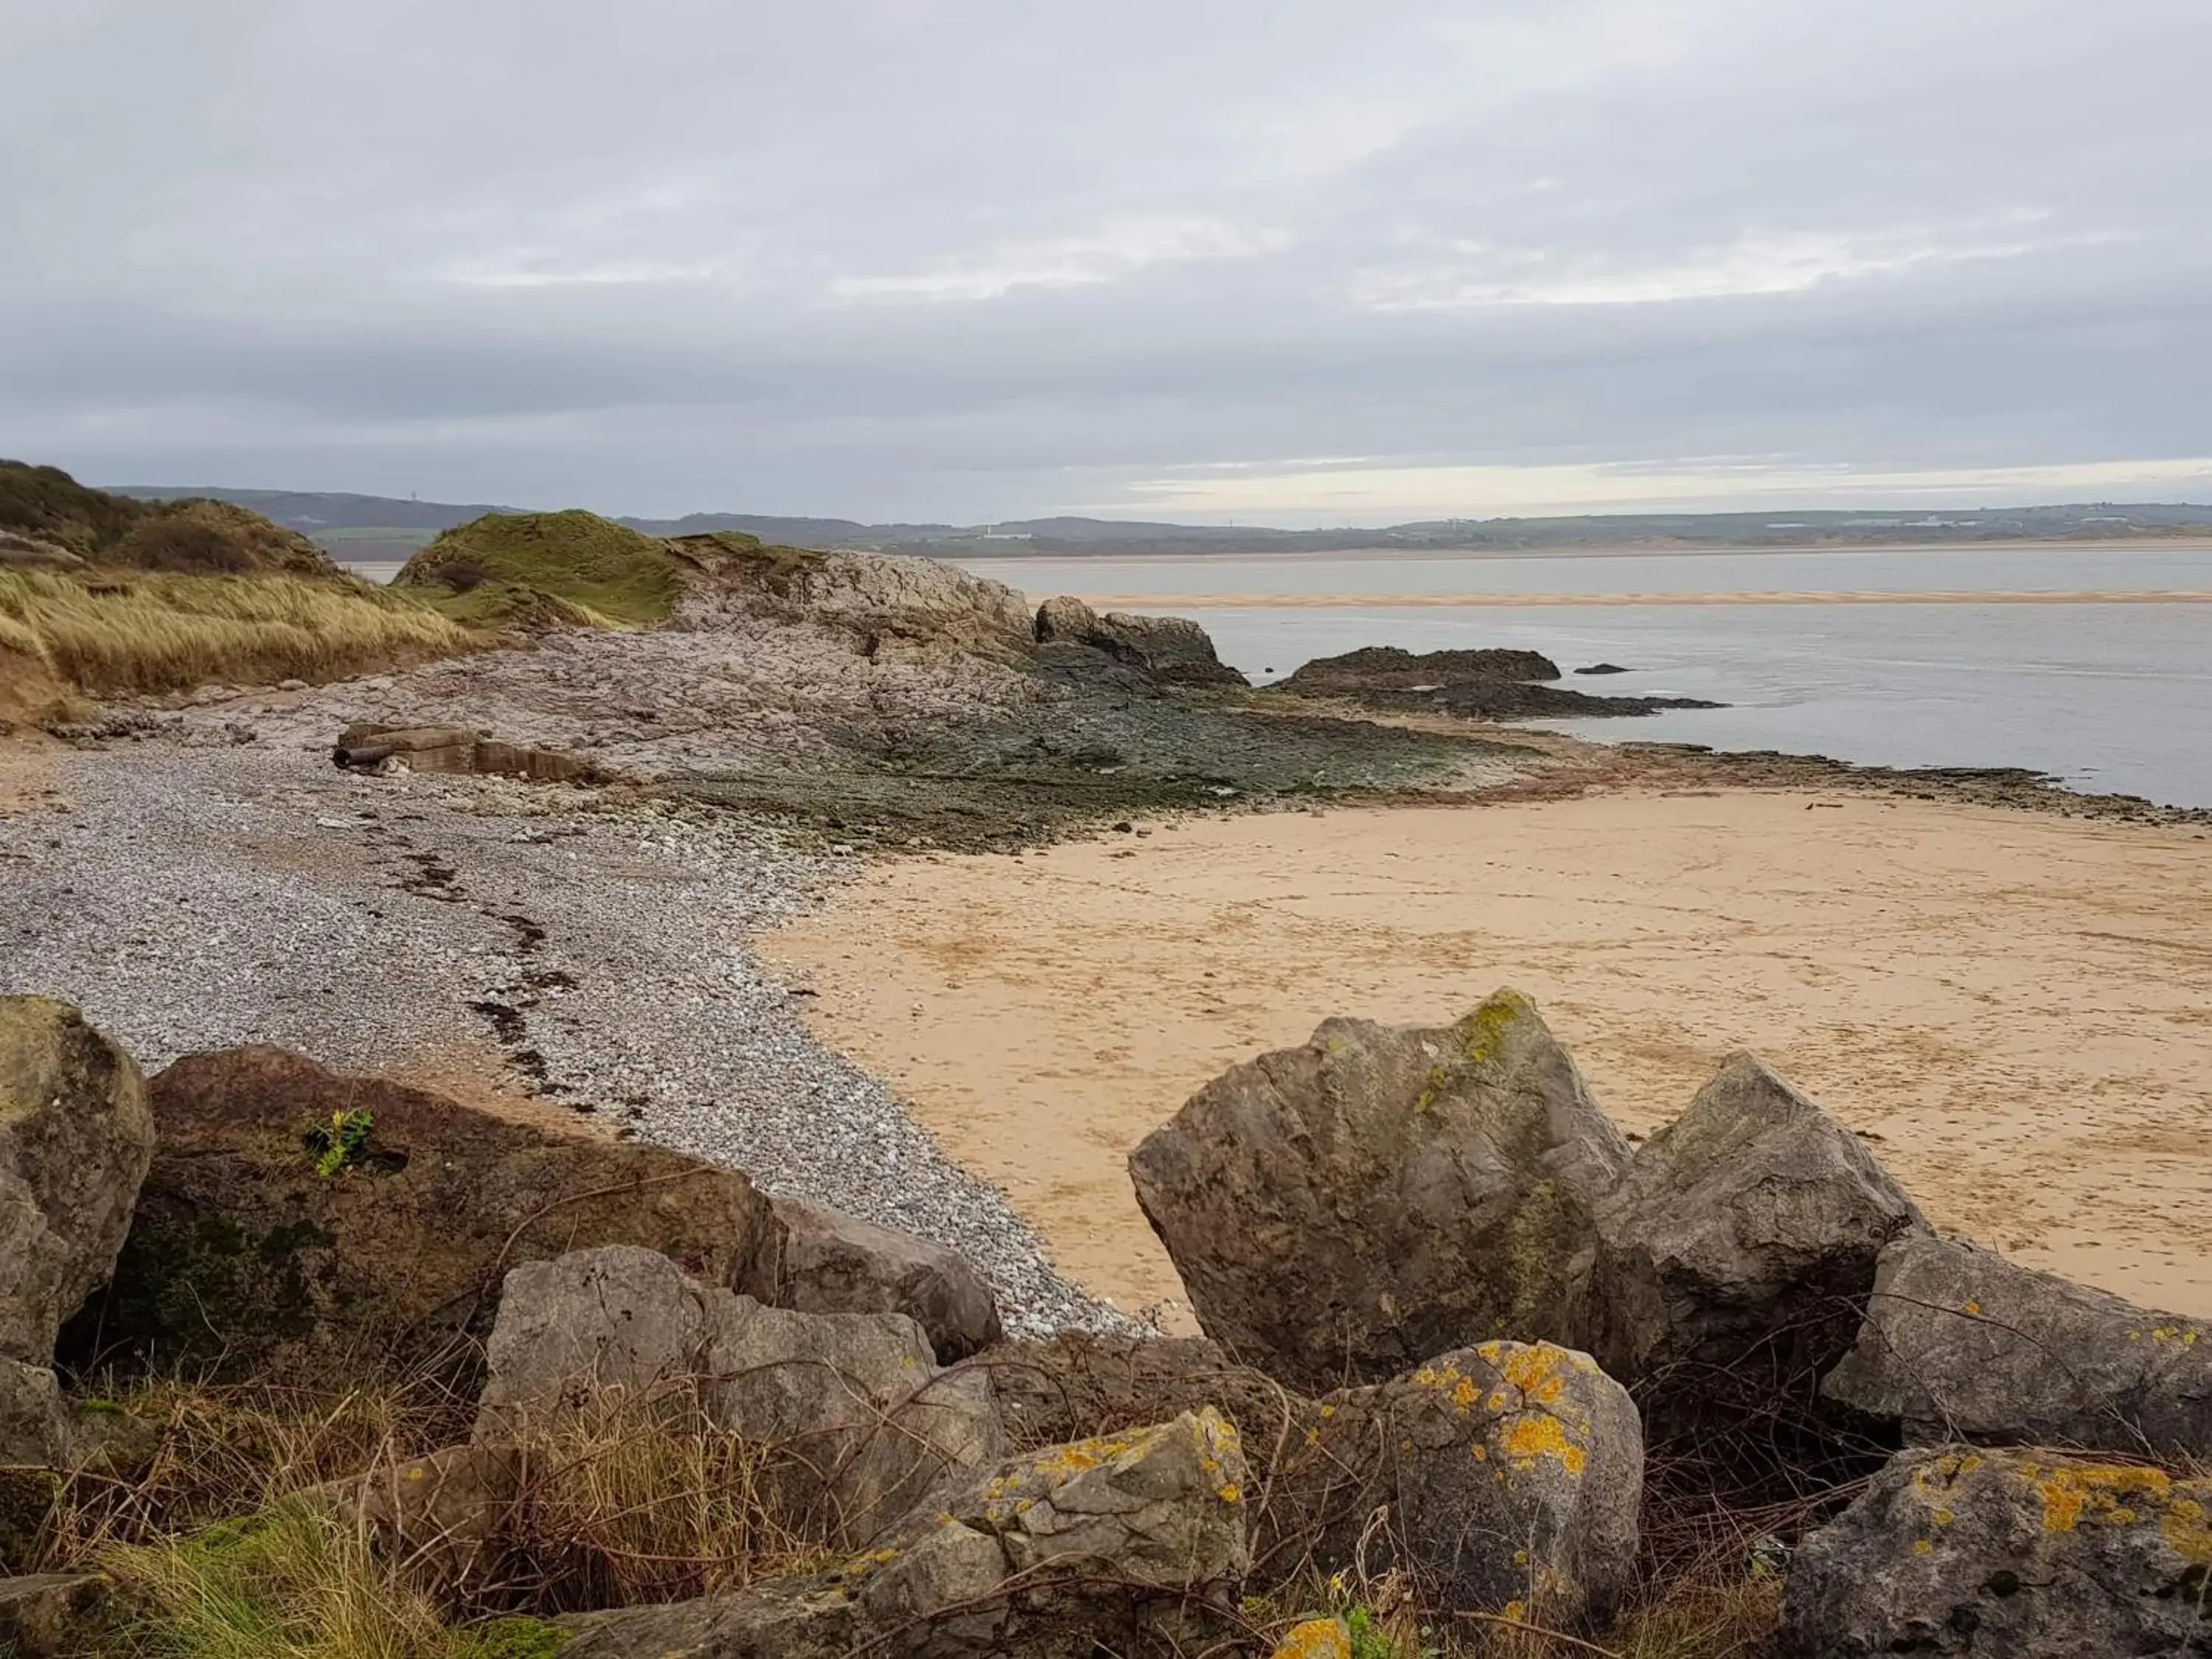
[492, 566]
[43, 507]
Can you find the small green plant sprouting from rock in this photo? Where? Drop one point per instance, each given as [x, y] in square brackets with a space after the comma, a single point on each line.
[336, 1143]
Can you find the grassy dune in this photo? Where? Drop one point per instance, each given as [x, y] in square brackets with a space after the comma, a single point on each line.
[604, 571]
[159, 632]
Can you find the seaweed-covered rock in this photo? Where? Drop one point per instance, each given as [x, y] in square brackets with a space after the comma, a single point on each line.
[2008, 1554]
[852, 1402]
[832, 1262]
[295, 1219]
[1508, 1475]
[1736, 1254]
[1349, 1208]
[1959, 1343]
[1123, 1541]
[76, 1137]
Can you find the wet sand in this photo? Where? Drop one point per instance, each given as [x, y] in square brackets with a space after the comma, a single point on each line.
[2017, 1007]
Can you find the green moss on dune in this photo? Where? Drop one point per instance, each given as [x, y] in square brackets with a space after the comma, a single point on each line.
[574, 558]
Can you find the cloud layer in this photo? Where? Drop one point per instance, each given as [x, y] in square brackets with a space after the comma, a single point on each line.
[894, 259]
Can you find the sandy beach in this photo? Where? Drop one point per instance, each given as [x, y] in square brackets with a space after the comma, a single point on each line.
[2016, 1008]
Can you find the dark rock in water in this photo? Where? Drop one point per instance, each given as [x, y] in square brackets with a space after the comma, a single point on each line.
[296, 1219]
[1168, 650]
[1389, 667]
[2026, 1554]
[1602, 668]
[1489, 685]
[1736, 1254]
[832, 1262]
[1959, 1343]
[1348, 1209]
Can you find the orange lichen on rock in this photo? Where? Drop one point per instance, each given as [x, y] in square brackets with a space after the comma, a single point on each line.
[1316, 1639]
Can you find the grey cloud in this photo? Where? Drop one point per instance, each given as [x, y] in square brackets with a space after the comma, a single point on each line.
[968, 260]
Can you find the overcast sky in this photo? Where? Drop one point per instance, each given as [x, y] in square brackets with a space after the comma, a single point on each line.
[1290, 261]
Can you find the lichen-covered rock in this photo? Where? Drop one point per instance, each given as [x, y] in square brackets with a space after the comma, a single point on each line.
[1736, 1254]
[2008, 1554]
[244, 1254]
[1123, 1541]
[1347, 1209]
[76, 1137]
[1959, 1343]
[1511, 1475]
[1316, 1638]
[854, 1403]
[832, 1262]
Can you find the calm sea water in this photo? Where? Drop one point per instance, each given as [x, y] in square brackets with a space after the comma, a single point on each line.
[2108, 697]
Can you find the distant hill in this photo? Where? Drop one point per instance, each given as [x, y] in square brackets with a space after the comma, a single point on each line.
[379, 526]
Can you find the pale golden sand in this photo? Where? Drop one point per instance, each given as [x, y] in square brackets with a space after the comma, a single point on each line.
[2019, 1006]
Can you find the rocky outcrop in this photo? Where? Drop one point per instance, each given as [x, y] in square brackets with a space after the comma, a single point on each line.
[1491, 685]
[2006, 1555]
[456, 749]
[1348, 1209]
[295, 1219]
[1122, 1543]
[1959, 1343]
[1736, 1254]
[852, 1403]
[885, 603]
[75, 1138]
[1506, 1477]
[832, 1262]
[1167, 650]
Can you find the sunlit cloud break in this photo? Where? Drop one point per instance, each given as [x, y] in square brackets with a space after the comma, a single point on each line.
[1477, 274]
[1353, 492]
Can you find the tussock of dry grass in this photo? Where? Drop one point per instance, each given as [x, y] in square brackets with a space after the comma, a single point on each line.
[166, 633]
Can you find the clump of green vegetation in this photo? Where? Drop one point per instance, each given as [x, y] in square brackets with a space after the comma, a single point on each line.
[336, 1143]
[602, 571]
[297, 1581]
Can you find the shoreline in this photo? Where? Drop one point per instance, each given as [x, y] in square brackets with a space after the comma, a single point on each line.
[2002, 1000]
[1278, 601]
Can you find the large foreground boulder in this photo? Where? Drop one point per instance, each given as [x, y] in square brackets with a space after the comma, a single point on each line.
[832, 1262]
[1736, 1254]
[853, 1404]
[1343, 1211]
[2008, 1554]
[296, 1220]
[1959, 1343]
[1122, 1543]
[1168, 650]
[75, 1138]
[1502, 1478]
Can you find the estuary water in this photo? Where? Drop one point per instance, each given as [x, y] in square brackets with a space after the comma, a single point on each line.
[2092, 664]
